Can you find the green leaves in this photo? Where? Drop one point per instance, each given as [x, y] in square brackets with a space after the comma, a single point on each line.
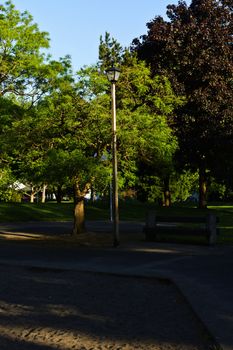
[56, 126]
[20, 50]
[194, 50]
[110, 52]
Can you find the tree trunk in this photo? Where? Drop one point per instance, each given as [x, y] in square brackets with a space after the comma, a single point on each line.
[58, 194]
[43, 197]
[79, 217]
[32, 195]
[79, 213]
[202, 188]
[166, 192]
[93, 195]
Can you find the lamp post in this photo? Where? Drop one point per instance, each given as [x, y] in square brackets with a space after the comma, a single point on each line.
[113, 75]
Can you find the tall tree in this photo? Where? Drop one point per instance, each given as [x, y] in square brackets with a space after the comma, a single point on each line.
[146, 140]
[61, 141]
[153, 97]
[23, 143]
[194, 49]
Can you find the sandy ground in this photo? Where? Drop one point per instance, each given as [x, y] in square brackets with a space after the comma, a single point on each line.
[53, 309]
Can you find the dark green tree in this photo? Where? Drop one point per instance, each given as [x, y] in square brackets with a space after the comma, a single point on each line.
[194, 49]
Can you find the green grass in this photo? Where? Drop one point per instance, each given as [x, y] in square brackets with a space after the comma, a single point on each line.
[16, 212]
[129, 210]
[35, 212]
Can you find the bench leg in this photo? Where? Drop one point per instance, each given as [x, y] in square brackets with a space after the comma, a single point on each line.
[211, 229]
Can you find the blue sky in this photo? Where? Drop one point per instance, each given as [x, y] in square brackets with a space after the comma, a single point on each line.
[75, 26]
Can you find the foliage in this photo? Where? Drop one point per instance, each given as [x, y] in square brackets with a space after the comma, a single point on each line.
[26, 75]
[149, 188]
[25, 70]
[183, 185]
[145, 105]
[21, 42]
[217, 191]
[194, 50]
[110, 52]
[65, 138]
[8, 188]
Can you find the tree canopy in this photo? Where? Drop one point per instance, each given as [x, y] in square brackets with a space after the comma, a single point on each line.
[25, 69]
[194, 50]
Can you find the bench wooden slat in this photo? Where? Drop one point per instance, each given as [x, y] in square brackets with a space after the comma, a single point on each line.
[187, 219]
[155, 226]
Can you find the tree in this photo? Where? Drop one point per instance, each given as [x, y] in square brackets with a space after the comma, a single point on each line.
[194, 50]
[26, 74]
[25, 70]
[77, 151]
[20, 45]
[58, 140]
[110, 52]
[146, 140]
[150, 101]
[9, 110]
[146, 104]
[66, 136]
[143, 105]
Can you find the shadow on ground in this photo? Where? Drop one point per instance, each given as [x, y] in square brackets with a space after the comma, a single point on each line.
[42, 309]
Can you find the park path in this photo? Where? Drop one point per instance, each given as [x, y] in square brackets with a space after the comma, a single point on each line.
[202, 274]
[45, 309]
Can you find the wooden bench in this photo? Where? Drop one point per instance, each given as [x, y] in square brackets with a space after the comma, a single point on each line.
[171, 225]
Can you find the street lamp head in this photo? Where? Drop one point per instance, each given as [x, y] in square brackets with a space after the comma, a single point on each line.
[113, 74]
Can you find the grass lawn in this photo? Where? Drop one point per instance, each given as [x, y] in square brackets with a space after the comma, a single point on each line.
[14, 212]
[129, 210]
